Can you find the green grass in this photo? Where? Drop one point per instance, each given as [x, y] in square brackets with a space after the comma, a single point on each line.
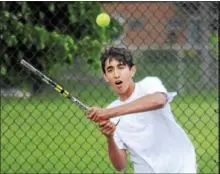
[197, 116]
[51, 135]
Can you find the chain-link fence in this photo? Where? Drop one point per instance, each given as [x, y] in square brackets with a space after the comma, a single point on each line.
[41, 132]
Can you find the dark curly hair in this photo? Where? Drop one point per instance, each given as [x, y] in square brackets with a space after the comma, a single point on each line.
[120, 54]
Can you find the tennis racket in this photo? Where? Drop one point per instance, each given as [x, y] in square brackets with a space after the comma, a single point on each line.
[54, 85]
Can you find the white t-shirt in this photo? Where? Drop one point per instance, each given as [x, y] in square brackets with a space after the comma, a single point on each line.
[155, 141]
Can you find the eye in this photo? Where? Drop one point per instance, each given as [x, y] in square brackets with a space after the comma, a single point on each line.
[121, 66]
[109, 70]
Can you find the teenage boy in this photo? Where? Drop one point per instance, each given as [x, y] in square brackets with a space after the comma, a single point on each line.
[146, 127]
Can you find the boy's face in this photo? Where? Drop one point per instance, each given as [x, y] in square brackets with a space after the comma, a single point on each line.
[119, 76]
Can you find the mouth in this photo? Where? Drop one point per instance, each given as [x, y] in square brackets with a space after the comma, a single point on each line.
[118, 82]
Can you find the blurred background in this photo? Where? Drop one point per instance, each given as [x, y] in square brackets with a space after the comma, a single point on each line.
[42, 132]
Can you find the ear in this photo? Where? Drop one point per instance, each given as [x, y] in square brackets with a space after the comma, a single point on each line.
[105, 78]
[133, 71]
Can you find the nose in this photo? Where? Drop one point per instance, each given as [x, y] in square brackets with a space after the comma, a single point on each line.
[116, 74]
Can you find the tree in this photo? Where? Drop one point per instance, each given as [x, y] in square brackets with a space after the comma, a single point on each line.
[45, 33]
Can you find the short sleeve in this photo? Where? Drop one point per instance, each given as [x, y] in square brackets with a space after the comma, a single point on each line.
[151, 85]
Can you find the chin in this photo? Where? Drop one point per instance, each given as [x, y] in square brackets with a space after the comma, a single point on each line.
[119, 92]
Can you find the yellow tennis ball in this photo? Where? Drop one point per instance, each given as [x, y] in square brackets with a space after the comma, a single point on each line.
[103, 20]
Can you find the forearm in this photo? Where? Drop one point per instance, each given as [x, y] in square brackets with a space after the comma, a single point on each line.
[145, 103]
[117, 156]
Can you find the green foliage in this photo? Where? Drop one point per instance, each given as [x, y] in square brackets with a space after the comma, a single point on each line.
[45, 33]
[3, 70]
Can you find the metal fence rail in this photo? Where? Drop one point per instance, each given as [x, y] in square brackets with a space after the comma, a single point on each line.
[41, 132]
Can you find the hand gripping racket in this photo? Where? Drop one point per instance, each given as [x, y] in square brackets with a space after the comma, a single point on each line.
[53, 84]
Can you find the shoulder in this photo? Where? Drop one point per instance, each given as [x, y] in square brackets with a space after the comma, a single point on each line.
[151, 84]
[149, 80]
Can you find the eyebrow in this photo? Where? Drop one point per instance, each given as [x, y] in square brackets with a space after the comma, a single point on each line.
[118, 65]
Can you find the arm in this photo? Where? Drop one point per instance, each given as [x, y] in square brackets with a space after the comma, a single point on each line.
[117, 156]
[146, 103]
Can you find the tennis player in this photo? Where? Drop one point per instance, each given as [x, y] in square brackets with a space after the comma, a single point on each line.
[146, 127]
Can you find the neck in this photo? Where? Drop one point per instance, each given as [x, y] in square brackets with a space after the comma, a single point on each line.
[128, 93]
